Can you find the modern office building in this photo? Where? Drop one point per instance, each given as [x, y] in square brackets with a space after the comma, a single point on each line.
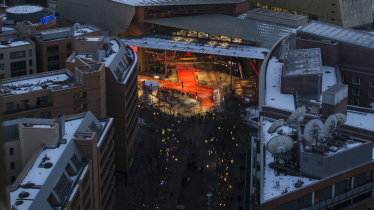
[64, 163]
[56, 45]
[336, 173]
[121, 88]
[350, 13]
[101, 77]
[17, 57]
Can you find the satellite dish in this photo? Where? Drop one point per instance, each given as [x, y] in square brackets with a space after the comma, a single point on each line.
[342, 118]
[280, 144]
[277, 124]
[313, 131]
[330, 125]
[297, 116]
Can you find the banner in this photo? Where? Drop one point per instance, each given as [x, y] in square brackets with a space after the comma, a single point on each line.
[242, 98]
[150, 89]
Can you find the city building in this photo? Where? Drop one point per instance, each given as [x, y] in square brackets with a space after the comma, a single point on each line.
[64, 163]
[301, 82]
[39, 18]
[313, 173]
[17, 57]
[56, 45]
[101, 77]
[343, 13]
[121, 88]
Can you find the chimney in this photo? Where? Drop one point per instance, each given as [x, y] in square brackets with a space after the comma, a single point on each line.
[60, 119]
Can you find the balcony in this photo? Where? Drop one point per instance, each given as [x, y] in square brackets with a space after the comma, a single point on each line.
[28, 108]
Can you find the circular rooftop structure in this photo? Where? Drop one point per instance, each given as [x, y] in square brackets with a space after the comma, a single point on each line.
[32, 13]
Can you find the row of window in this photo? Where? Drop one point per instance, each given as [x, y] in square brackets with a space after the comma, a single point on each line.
[357, 81]
[357, 92]
[56, 48]
[18, 54]
[26, 103]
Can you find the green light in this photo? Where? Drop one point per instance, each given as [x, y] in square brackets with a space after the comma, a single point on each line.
[131, 162]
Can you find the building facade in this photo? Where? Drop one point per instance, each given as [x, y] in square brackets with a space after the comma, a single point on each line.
[75, 156]
[55, 46]
[348, 13]
[17, 58]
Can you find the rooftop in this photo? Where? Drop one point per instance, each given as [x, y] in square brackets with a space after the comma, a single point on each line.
[174, 2]
[275, 185]
[155, 41]
[62, 33]
[15, 43]
[339, 34]
[39, 176]
[56, 80]
[360, 119]
[24, 9]
[255, 13]
[303, 62]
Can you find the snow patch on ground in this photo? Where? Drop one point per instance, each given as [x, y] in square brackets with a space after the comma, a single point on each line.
[273, 96]
[360, 119]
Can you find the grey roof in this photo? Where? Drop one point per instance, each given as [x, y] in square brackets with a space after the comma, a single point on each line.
[303, 62]
[174, 2]
[335, 88]
[217, 24]
[10, 127]
[339, 34]
[277, 17]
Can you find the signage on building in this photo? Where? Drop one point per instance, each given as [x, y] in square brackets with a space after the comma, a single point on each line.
[153, 53]
[187, 54]
[48, 19]
[188, 59]
[134, 48]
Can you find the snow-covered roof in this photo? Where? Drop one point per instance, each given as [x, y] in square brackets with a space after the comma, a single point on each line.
[302, 62]
[273, 95]
[33, 83]
[270, 189]
[165, 43]
[173, 2]
[360, 119]
[40, 175]
[24, 9]
[15, 44]
[107, 60]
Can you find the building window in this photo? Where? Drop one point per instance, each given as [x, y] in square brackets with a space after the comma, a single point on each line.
[356, 91]
[18, 54]
[356, 80]
[355, 102]
[53, 67]
[11, 151]
[45, 114]
[121, 65]
[68, 55]
[9, 106]
[332, 19]
[12, 166]
[42, 100]
[343, 77]
[30, 53]
[76, 162]
[118, 73]
[2, 66]
[1, 56]
[371, 83]
[313, 17]
[52, 48]
[30, 62]
[31, 71]
[25, 104]
[2, 76]
[18, 68]
[68, 46]
[13, 179]
[333, 12]
[62, 186]
[93, 127]
[83, 106]
[371, 93]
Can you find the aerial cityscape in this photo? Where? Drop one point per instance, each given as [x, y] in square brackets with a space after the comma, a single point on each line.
[187, 104]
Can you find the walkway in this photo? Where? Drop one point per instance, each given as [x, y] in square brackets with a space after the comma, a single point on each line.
[189, 84]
